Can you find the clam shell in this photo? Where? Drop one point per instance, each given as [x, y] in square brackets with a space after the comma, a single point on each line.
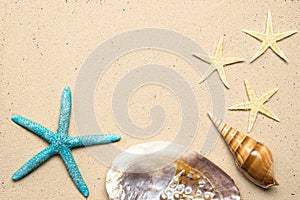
[159, 170]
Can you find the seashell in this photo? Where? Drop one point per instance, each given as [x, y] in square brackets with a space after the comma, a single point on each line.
[159, 170]
[253, 158]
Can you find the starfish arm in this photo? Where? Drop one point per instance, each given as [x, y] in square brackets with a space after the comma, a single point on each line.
[65, 111]
[269, 30]
[250, 91]
[242, 106]
[228, 61]
[280, 36]
[34, 162]
[223, 76]
[219, 50]
[263, 47]
[88, 140]
[35, 128]
[74, 171]
[274, 46]
[203, 57]
[268, 113]
[207, 73]
[268, 95]
[259, 36]
[252, 118]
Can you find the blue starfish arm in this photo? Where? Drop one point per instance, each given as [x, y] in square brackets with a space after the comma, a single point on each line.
[88, 140]
[34, 162]
[35, 128]
[73, 171]
[65, 112]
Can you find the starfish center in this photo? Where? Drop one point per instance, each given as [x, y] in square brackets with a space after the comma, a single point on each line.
[60, 143]
[269, 38]
[256, 103]
[219, 61]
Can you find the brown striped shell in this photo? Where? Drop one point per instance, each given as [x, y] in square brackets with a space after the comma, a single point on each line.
[253, 158]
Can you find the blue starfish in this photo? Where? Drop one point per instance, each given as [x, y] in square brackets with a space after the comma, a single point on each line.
[60, 143]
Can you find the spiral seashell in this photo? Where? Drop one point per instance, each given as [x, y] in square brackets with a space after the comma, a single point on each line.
[253, 158]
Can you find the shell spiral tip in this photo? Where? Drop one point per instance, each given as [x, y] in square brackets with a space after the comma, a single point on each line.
[210, 115]
[217, 122]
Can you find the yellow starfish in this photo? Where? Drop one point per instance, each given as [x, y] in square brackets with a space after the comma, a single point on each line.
[269, 40]
[217, 62]
[255, 105]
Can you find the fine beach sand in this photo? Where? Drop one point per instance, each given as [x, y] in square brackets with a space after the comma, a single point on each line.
[45, 43]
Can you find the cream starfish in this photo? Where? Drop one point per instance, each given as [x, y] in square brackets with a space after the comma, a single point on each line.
[269, 40]
[255, 105]
[217, 62]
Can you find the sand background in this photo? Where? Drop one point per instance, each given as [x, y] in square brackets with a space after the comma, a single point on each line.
[44, 44]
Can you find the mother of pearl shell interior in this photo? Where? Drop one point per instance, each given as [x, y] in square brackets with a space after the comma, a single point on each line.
[166, 171]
